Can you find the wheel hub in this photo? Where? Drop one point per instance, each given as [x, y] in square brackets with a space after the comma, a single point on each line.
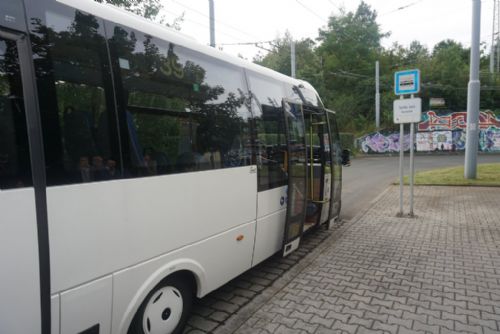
[163, 311]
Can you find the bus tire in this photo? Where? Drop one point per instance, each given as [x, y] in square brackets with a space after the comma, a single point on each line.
[165, 309]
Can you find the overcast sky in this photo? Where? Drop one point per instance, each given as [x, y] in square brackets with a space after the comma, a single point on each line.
[237, 21]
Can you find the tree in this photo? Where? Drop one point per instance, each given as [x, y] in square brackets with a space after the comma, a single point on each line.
[149, 9]
[279, 59]
[341, 67]
[349, 47]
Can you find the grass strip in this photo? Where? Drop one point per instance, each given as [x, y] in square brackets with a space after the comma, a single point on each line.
[487, 175]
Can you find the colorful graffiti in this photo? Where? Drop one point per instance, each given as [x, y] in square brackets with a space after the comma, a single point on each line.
[489, 140]
[455, 121]
[380, 143]
[435, 141]
[459, 139]
[438, 133]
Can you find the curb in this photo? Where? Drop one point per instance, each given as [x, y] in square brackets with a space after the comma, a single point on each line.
[450, 185]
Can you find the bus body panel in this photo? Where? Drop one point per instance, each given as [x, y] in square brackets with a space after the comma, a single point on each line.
[221, 257]
[98, 228]
[87, 306]
[54, 313]
[271, 214]
[20, 277]
[269, 236]
[271, 201]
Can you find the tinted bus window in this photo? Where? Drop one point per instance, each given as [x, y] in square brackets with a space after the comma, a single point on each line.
[15, 170]
[182, 111]
[12, 14]
[75, 93]
[271, 140]
[300, 94]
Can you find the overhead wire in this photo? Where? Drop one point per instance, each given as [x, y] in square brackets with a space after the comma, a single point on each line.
[402, 7]
[216, 20]
[335, 5]
[204, 25]
[312, 12]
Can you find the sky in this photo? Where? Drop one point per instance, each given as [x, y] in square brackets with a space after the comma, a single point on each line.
[237, 21]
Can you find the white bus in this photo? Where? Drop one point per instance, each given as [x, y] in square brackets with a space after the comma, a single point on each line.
[139, 170]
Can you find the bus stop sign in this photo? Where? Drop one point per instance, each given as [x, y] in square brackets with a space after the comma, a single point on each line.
[407, 82]
[407, 111]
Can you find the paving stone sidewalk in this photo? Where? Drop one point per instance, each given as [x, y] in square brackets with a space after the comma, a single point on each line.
[436, 273]
[212, 311]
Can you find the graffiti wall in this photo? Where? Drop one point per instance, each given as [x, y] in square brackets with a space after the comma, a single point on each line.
[435, 141]
[424, 141]
[383, 143]
[438, 133]
[456, 121]
[459, 138]
[453, 127]
[489, 140]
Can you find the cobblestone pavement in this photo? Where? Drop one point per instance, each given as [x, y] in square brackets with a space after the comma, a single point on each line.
[213, 310]
[436, 273]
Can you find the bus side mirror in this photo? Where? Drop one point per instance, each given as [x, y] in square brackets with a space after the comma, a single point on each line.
[346, 158]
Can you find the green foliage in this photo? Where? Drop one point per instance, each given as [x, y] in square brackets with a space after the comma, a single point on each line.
[308, 63]
[346, 141]
[341, 66]
[149, 9]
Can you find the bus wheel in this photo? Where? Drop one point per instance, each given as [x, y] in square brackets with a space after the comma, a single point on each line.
[166, 309]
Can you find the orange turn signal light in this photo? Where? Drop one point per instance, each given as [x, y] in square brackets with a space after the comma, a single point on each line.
[240, 237]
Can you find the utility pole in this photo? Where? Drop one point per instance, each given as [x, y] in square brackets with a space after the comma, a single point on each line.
[377, 95]
[497, 7]
[212, 23]
[292, 57]
[493, 34]
[470, 168]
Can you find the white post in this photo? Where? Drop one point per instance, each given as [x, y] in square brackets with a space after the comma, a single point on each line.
[292, 58]
[492, 53]
[470, 168]
[377, 95]
[212, 22]
[498, 37]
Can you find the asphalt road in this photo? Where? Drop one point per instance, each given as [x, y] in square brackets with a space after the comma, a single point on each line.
[367, 177]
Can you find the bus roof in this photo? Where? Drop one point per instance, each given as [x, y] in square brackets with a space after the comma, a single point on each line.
[123, 17]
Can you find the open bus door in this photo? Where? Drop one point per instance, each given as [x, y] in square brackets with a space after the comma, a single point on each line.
[297, 175]
[336, 156]
[319, 166]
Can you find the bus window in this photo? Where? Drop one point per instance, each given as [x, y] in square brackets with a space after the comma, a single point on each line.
[271, 138]
[300, 94]
[12, 15]
[15, 169]
[183, 112]
[76, 97]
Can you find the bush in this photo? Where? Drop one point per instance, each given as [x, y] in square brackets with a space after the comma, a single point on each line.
[347, 140]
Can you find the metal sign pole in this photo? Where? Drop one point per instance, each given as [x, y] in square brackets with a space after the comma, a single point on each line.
[401, 159]
[412, 165]
[406, 111]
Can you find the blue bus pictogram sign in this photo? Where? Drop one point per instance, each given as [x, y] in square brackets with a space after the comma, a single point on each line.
[407, 82]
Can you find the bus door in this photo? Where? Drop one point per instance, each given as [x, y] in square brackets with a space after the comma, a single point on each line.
[297, 175]
[336, 156]
[24, 287]
[319, 166]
